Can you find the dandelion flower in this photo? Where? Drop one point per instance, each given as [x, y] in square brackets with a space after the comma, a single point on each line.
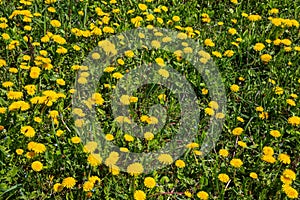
[253, 175]
[148, 136]
[237, 163]
[75, 140]
[28, 131]
[275, 133]
[294, 120]
[180, 163]
[149, 182]
[58, 187]
[88, 186]
[223, 153]
[223, 178]
[284, 158]
[202, 195]
[69, 182]
[37, 166]
[288, 173]
[139, 195]
[259, 46]
[209, 111]
[55, 23]
[266, 58]
[268, 158]
[290, 192]
[135, 169]
[128, 138]
[234, 88]
[268, 151]
[165, 158]
[19, 151]
[94, 160]
[109, 137]
[237, 131]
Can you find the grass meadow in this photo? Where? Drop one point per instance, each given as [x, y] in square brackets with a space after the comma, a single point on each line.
[255, 47]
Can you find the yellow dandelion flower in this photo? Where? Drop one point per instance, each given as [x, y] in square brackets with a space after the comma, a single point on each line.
[237, 163]
[253, 175]
[88, 186]
[28, 131]
[202, 195]
[284, 158]
[58, 187]
[149, 182]
[223, 178]
[69, 182]
[180, 163]
[135, 169]
[139, 195]
[223, 152]
[165, 158]
[37, 166]
[94, 160]
[275, 133]
[237, 131]
[268, 151]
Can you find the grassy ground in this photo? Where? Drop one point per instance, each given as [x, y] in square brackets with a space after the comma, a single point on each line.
[255, 48]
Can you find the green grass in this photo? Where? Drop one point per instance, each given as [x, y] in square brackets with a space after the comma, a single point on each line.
[63, 158]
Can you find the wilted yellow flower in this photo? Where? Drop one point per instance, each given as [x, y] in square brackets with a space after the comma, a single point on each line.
[164, 73]
[278, 90]
[242, 144]
[291, 102]
[148, 136]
